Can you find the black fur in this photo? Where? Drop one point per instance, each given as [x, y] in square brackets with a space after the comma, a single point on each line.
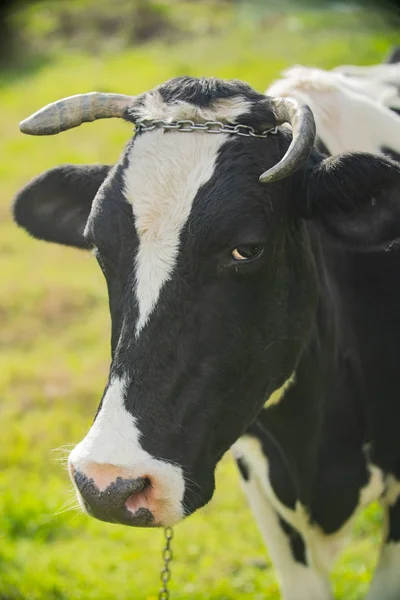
[394, 523]
[205, 90]
[296, 542]
[356, 198]
[243, 468]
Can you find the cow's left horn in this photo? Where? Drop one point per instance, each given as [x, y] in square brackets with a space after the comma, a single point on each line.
[74, 110]
[300, 117]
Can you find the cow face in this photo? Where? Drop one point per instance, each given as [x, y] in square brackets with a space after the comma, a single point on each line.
[210, 303]
[213, 288]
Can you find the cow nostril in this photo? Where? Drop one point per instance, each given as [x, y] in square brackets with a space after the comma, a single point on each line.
[139, 499]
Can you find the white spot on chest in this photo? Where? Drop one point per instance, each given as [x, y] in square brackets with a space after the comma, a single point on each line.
[164, 175]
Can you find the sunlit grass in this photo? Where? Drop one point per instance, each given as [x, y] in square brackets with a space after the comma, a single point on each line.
[54, 340]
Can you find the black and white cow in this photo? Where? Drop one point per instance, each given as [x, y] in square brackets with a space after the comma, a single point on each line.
[265, 313]
[355, 108]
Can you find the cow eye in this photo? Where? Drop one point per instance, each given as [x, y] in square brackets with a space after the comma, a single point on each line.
[247, 252]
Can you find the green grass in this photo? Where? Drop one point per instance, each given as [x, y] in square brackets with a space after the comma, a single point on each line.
[54, 334]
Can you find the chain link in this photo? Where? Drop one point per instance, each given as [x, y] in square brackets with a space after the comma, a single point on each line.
[167, 557]
[186, 126]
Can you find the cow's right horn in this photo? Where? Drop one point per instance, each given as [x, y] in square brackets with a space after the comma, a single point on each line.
[301, 118]
[74, 110]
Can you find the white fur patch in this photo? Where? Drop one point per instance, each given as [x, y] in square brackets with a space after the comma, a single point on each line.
[351, 113]
[322, 549]
[165, 172]
[297, 581]
[223, 110]
[384, 73]
[114, 439]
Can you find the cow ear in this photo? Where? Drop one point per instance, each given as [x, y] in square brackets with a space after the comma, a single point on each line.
[55, 205]
[356, 198]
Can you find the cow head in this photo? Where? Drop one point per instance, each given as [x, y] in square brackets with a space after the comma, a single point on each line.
[212, 279]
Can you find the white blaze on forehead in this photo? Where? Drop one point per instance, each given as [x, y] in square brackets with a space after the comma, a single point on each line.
[114, 439]
[165, 172]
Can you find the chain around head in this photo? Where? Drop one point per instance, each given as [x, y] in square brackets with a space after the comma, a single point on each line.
[186, 126]
[167, 557]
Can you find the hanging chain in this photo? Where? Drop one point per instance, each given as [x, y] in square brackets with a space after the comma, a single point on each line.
[167, 557]
[186, 126]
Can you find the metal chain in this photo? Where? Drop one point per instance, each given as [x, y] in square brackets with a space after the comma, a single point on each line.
[186, 126]
[167, 557]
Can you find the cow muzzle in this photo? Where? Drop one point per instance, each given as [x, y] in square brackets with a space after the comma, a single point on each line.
[116, 479]
[126, 500]
[122, 495]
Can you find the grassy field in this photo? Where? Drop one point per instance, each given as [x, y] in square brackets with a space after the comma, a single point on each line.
[54, 333]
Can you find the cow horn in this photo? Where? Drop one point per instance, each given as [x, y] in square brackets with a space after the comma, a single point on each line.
[74, 110]
[300, 117]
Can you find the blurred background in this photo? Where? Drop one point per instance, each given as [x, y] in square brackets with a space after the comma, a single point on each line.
[54, 323]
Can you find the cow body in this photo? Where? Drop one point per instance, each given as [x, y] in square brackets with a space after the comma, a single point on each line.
[264, 316]
[353, 459]
[317, 476]
[352, 112]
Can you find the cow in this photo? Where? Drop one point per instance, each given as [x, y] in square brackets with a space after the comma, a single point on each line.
[254, 297]
[355, 108]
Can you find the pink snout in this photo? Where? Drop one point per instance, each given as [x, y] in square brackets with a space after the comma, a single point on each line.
[111, 493]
